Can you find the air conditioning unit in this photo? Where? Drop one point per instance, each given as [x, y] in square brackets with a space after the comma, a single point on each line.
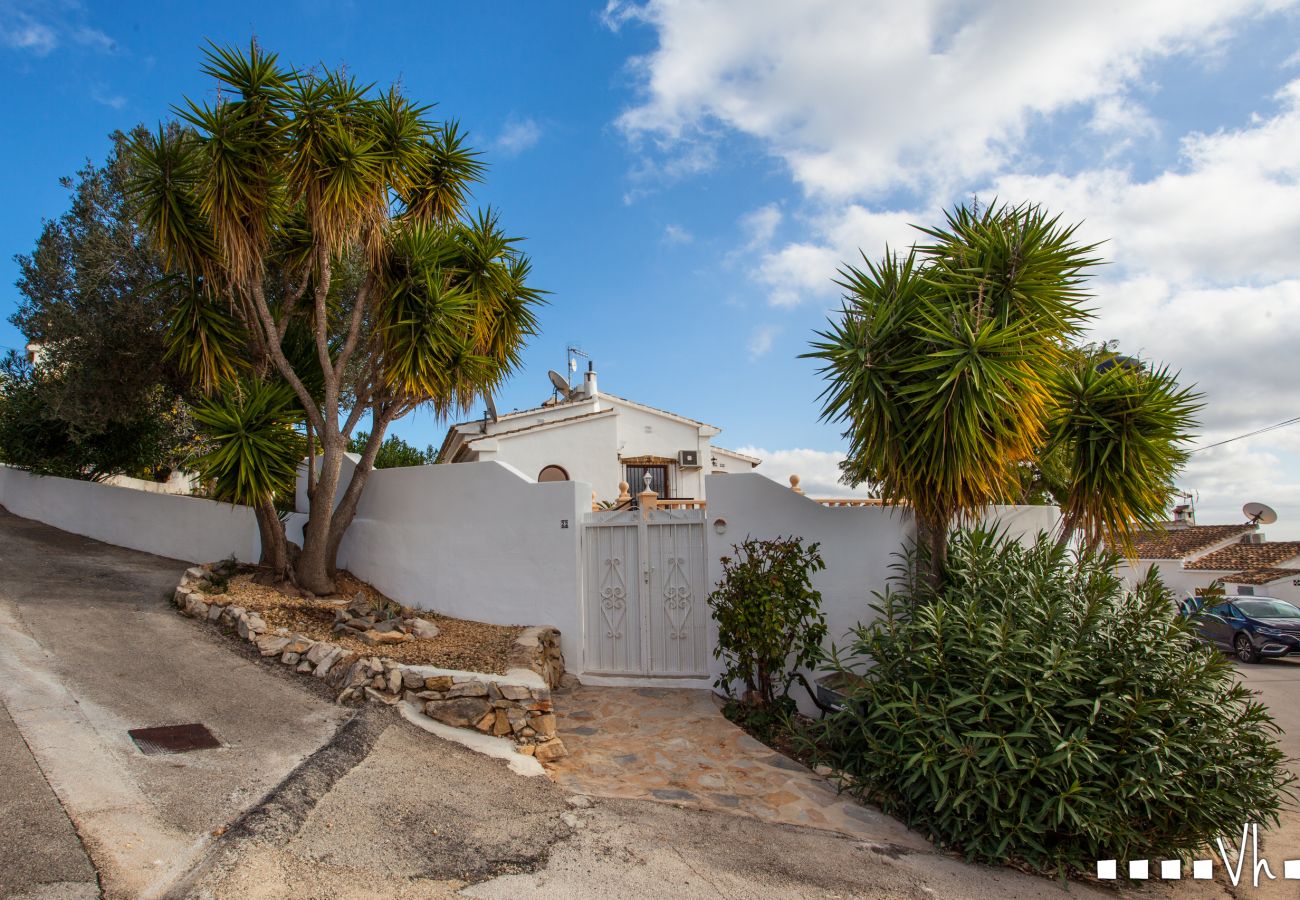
[688, 459]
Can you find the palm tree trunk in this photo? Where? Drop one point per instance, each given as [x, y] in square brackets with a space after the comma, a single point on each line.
[275, 546]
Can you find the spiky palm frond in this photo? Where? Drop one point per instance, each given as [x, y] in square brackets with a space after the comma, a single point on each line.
[256, 445]
[941, 361]
[440, 183]
[205, 339]
[167, 171]
[242, 140]
[1123, 432]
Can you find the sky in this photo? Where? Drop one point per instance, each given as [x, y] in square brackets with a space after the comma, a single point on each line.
[690, 175]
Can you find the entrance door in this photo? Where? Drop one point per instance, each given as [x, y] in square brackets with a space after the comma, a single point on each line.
[646, 593]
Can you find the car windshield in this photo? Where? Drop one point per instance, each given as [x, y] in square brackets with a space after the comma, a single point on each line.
[1268, 609]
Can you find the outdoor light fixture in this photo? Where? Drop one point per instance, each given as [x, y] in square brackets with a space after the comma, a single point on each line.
[720, 526]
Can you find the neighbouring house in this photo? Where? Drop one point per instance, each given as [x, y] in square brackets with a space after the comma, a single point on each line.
[1190, 558]
[600, 439]
[1170, 549]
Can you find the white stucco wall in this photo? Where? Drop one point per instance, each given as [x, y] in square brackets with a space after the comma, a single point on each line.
[1282, 589]
[584, 449]
[665, 438]
[476, 541]
[187, 528]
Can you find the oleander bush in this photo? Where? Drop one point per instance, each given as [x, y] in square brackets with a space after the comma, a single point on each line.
[770, 623]
[1031, 710]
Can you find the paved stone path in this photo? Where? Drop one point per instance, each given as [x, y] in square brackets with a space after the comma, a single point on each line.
[675, 746]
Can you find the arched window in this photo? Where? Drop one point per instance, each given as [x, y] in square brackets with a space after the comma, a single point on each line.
[552, 473]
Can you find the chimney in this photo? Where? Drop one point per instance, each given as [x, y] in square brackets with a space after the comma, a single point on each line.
[589, 383]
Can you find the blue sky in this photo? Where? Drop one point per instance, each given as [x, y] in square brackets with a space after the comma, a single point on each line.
[689, 175]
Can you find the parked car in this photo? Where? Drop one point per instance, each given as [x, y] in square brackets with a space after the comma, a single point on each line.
[1251, 627]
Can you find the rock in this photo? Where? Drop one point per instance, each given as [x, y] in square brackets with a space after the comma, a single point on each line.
[299, 644]
[515, 692]
[544, 725]
[250, 626]
[395, 681]
[194, 573]
[460, 712]
[323, 667]
[526, 749]
[550, 750]
[517, 719]
[341, 670]
[527, 732]
[438, 683]
[488, 722]
[501, 725]
[571, 820]
[569, 681]
[319, 651]
[195, 608]
[270, 645]
[494, 692]
[390, 625]
[423, 628]
[381, 696]
[383, 637]
[412, 680]
[579, 801]
[305, 666]
[290, 659]
[214, 612]
[468, 689]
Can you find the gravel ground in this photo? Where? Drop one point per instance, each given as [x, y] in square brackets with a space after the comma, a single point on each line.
[460, 644]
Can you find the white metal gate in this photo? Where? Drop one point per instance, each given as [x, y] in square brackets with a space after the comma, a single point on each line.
[646, 594]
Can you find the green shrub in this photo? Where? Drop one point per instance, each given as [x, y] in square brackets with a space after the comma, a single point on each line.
[769, 618]
[1031, 710]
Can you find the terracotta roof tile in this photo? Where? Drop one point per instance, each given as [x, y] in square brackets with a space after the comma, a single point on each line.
[1265, 575]
[1238, 557]
[1181, 543]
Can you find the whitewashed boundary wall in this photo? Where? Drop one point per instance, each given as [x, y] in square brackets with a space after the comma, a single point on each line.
[472, 540]
[187, 528]
[859, 544]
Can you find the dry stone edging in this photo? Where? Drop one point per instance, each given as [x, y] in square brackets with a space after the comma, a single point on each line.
[516, 705]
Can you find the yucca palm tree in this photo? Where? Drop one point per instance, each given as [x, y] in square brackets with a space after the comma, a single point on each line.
[941, 363]
[306, 200]
[1122, 431]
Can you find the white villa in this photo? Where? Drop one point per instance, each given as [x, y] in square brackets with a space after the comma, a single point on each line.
[602, 440]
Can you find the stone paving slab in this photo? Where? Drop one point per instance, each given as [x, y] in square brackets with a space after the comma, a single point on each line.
[675, 746]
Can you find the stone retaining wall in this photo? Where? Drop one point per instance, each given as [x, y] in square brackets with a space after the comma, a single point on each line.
[515, 705]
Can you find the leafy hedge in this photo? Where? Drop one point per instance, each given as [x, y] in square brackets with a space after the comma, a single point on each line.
[1031, 710]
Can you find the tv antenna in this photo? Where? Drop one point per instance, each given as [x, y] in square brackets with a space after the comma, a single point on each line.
[571, 354]
[1259, 514]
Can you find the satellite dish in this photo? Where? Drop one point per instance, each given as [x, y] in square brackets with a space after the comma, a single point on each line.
[561, 384]
[1259, 514]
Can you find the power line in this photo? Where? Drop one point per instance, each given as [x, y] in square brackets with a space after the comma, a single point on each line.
[1240, 437]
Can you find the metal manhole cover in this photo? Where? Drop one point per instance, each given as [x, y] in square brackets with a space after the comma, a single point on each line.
[174, 739]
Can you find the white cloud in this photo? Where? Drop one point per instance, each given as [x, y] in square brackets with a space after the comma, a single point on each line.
[518, 135]
[24, 33]
[676, 234]
[760, 225]
[112, 101]
[860, 97]
[94, 38]
[761, 340]
[818, 470]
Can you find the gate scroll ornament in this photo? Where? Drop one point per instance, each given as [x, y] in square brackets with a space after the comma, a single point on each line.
[677, 598]
[613, 596]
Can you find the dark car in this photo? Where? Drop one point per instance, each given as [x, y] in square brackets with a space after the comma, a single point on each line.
[1251, 627]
